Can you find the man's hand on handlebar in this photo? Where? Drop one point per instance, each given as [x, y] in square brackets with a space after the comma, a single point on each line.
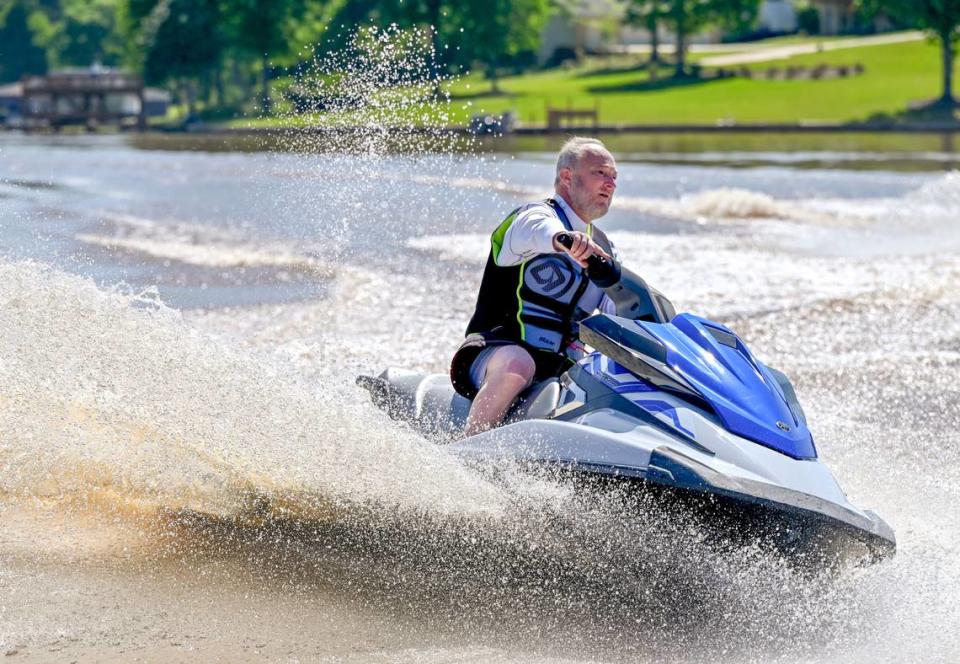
[582, 248]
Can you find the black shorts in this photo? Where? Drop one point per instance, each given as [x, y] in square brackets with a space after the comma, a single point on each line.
[548, 364]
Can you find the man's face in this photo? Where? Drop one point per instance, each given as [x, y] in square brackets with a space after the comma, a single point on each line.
[592, 182]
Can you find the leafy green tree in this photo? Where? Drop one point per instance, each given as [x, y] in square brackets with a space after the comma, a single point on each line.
[808, 20]
[313, 20]
[77, 32]
[650, 15]
[736, 17]
[686, 18]
[19, 55]
[939, 18]
[491, 32]
[178, 41]
[263, 30]
[499, 32]
[434, 15]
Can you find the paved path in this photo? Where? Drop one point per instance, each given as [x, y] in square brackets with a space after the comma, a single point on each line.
[764, 54]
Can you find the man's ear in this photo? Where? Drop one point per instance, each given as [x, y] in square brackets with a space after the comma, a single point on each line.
[566, 175]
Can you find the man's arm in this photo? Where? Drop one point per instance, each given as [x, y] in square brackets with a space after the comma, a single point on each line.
[534, 231]
[531, 233]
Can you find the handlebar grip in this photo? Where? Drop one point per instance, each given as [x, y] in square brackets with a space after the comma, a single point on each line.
[602, 272]
[564, 240]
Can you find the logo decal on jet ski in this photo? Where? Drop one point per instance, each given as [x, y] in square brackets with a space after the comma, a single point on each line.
[783, 426]
[614, 375]
[665, 408]
[624, 383]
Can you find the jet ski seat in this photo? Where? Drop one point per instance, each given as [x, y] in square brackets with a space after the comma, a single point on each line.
[430, 401]
[538, 401]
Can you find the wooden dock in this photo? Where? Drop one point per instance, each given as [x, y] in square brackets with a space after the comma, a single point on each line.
[560, 118]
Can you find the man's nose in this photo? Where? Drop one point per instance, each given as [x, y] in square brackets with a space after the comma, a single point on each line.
[609, 183]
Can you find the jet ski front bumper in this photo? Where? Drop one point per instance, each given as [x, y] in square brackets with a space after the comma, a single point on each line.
[793, 520]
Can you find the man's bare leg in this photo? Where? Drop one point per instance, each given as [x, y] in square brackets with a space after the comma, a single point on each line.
[510, 371]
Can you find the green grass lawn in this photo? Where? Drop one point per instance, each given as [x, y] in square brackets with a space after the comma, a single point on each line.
[896, 75]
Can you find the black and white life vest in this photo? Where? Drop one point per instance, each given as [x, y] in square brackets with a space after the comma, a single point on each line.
[535, 302]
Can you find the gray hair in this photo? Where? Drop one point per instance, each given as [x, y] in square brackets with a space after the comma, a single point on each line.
[573, 150]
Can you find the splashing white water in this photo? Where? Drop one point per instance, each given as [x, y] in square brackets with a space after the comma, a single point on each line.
[100, 395]
[923, 221]
[733, 204]
[721, 277]
[369, 111]
[202, 246]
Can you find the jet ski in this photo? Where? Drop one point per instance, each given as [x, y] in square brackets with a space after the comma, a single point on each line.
[674, 404]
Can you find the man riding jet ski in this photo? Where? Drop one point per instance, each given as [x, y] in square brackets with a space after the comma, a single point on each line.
[534, 289]
[675, 402]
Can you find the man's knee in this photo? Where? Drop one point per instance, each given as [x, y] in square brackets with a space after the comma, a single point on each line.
[512, 364]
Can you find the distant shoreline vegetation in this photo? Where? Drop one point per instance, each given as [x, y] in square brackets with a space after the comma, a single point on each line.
[889, 90]
[244, 62]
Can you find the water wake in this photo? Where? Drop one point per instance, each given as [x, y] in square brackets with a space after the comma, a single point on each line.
[198, 245]
[110, 402]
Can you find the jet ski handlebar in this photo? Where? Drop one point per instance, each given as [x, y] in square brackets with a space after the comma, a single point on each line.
[633, 298]
[601, 271]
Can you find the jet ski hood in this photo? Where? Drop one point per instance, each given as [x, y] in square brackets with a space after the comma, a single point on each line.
[698, 358]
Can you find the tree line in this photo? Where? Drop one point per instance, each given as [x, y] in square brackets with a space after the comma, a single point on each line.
[226, 52]
[220, 51]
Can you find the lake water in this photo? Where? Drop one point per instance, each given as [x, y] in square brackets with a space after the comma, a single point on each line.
[189, 474]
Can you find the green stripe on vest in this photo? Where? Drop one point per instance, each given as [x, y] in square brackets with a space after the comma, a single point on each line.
[496, 240]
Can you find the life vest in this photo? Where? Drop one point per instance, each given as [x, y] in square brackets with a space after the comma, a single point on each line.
[535, 302]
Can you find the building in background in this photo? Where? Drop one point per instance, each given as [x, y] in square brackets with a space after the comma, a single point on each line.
[592, 27]
[580, 27]
[88, 97]
[11, 97]
[777, 17]
[583, 27]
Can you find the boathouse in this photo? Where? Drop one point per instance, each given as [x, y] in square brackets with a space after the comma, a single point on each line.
[87, 97]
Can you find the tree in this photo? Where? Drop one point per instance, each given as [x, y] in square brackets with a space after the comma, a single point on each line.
[431, 14]
[263, 28]
[649, 14]
[179, 40]
[492, 32]
[498, 32]
[940, 18]
[19, 55]
[688, 17]
[735, 17]
[77, 32]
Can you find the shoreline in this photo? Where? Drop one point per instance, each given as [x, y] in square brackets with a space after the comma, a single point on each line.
[541, 130]
[811, 127]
